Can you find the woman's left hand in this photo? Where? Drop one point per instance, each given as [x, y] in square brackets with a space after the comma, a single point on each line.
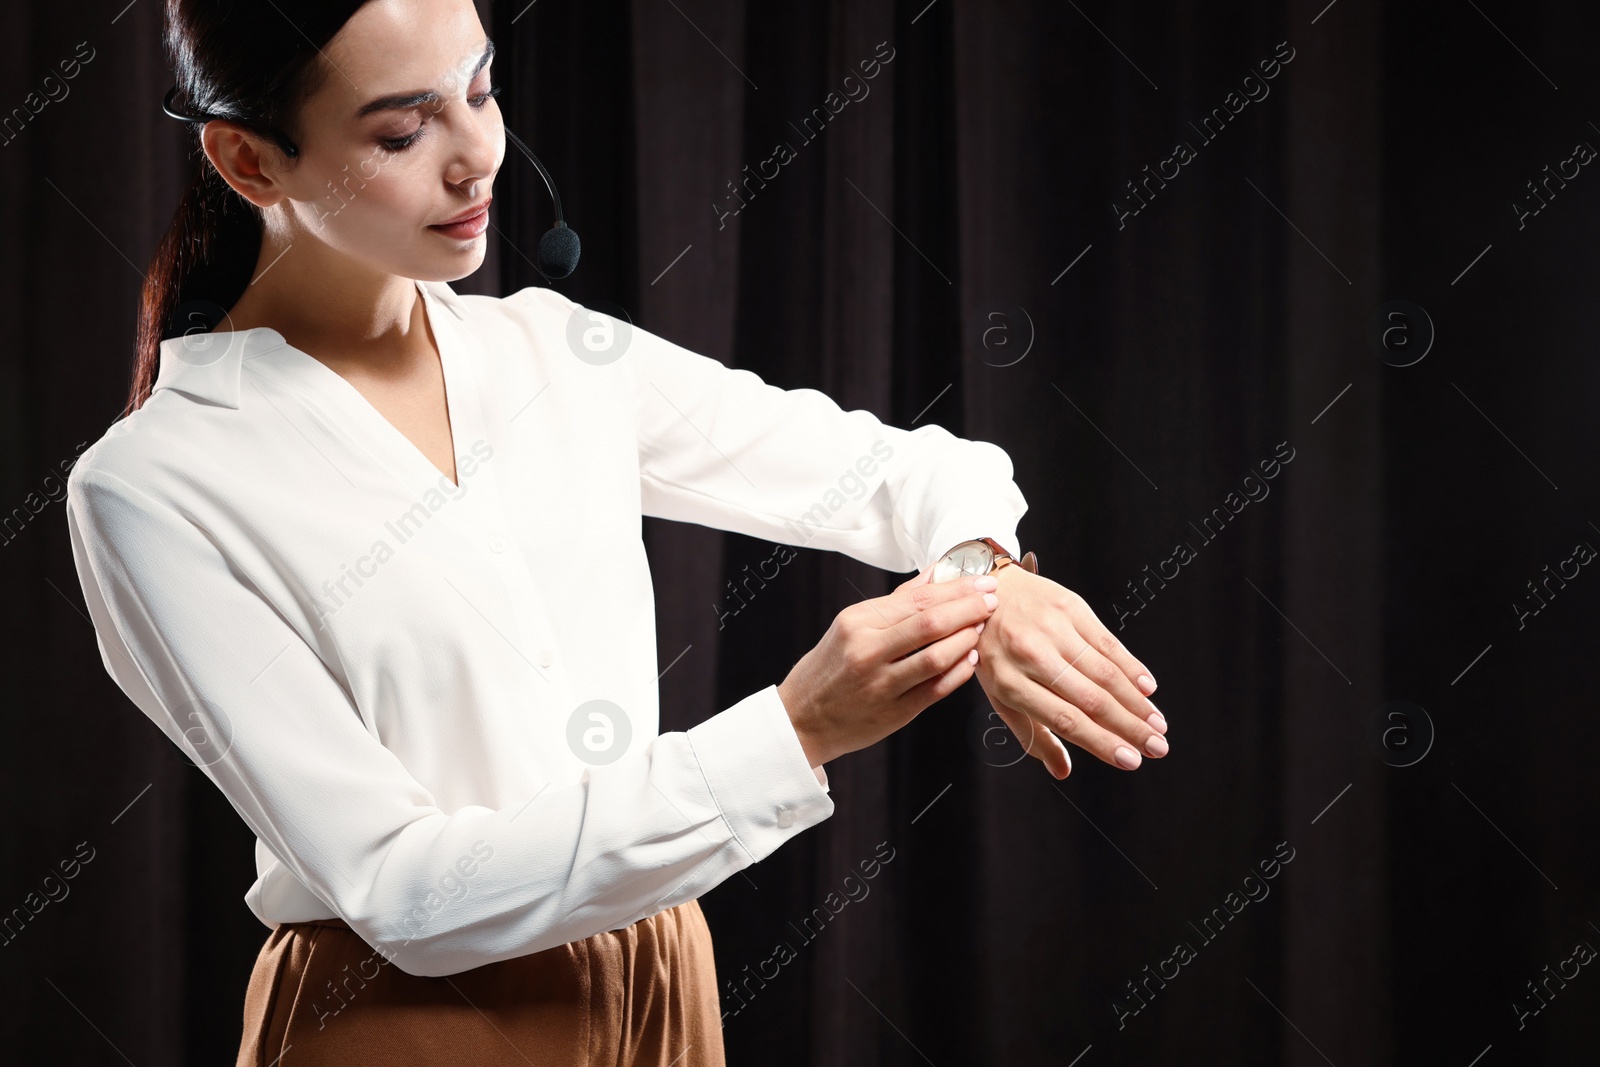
[1054, 673]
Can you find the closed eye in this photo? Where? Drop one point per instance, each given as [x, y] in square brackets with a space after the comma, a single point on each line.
[400, 144]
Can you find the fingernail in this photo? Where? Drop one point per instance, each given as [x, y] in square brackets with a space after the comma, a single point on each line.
[972, 657]
[981, 626]
[1127, 757]
[1157, 721]
[988, 581]
[1156, 746]
[1147, 684]
[991, 600]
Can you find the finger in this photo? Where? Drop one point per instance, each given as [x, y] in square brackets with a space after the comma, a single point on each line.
[918, 668]
[1106, 642]
[908, 600]
[938, 670]
[1071, 723]
[1132, 715]
[941, 619]
[1036, 741]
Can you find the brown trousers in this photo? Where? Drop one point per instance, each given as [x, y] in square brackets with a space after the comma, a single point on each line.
[642, 996]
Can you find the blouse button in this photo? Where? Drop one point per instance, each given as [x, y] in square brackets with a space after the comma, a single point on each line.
[785, 816]
[497, 545]
[544, 657]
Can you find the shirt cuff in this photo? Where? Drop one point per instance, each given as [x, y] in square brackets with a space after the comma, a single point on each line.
[758, 773]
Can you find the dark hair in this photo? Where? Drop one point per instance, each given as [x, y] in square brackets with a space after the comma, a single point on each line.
[254, 64]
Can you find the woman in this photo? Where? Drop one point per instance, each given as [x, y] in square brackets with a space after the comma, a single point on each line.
[369, 551]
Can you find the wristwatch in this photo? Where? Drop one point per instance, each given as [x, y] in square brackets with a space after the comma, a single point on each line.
[983, 555]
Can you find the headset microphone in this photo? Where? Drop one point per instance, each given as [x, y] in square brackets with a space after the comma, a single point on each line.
[558, 248]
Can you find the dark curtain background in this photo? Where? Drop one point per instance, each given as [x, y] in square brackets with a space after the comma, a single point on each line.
[956, 217]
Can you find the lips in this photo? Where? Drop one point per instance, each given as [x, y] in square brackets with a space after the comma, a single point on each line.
[469, 213]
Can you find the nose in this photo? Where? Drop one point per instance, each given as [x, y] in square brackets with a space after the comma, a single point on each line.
[481, 147]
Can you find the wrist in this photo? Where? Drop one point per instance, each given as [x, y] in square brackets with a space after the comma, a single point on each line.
[815, 755]
[1008, 572]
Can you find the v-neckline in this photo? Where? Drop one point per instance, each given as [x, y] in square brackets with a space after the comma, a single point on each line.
[415, 464]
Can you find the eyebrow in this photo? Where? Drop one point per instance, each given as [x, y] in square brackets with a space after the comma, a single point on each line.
[397, 101]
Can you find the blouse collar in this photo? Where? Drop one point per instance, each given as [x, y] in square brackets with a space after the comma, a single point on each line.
[207, 365]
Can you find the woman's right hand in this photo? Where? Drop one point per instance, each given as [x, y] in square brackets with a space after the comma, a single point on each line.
[883, 661]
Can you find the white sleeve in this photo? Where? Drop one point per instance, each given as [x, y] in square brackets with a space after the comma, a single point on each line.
[720, 447]
[230, 680]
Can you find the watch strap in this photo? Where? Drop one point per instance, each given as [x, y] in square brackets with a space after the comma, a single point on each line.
[1029, 561]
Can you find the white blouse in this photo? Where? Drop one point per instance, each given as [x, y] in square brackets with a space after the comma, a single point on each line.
[435, 704]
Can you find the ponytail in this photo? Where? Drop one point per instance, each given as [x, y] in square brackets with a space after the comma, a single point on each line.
[199, 270]
[247, 63]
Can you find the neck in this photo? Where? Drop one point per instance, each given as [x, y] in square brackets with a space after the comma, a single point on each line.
[322, 301]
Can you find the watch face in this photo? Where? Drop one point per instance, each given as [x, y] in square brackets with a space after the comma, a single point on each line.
[969, 557]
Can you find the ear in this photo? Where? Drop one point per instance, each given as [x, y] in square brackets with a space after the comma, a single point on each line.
[248, 162]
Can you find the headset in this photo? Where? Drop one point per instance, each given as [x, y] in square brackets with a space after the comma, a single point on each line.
[558, 251]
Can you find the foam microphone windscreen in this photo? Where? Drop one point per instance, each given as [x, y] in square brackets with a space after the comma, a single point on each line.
[558, 252]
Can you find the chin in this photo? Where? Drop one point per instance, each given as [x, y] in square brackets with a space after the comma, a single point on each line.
[454, 268]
